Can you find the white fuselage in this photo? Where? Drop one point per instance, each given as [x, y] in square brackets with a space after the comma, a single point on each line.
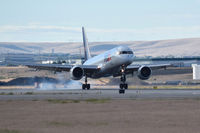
[111, 61]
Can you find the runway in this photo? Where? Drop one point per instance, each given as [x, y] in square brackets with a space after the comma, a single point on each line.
[33, 94]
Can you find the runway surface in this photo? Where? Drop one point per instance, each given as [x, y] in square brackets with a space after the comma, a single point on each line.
[34, 94]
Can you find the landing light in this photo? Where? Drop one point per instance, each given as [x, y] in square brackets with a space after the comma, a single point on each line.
[99, 66]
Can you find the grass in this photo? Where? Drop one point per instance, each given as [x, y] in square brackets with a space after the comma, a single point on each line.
[70, 124]
[93, 100]
[10, 93]
[64, 101]
[10, 131]
[3, 93]
[155, 87]
[28, 93]
[56, 123]
[1, 77]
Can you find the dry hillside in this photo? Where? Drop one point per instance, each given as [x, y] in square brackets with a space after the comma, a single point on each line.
[175, 47]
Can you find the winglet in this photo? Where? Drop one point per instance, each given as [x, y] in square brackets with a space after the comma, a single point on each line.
[86, 47]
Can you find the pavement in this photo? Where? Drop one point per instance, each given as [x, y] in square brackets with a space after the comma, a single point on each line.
[36, 94]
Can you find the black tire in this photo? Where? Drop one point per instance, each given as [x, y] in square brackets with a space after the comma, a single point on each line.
[83, 86]
[88, 86]
[125, 86]
[121, 91]
[121, 86]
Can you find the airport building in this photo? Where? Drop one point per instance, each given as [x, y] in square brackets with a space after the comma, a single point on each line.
[50, 58]
[179, 62]
[196, 71]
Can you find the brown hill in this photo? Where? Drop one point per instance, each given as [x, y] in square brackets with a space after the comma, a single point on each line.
[175, 47]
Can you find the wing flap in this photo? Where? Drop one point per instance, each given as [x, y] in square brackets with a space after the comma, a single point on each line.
[60, 68]
[51, 67]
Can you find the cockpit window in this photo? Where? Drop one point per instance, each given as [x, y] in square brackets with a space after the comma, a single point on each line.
[126, 52]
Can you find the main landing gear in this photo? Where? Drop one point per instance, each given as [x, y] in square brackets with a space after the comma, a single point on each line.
[85, 86]
[123, 86]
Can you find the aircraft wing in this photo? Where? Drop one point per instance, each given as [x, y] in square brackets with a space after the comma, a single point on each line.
[59, 68]
[132, 68]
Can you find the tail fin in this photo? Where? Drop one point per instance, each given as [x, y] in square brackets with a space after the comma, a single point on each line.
[85, 43]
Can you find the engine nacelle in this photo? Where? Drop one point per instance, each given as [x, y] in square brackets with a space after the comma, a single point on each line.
[144, 72]
[76, 73]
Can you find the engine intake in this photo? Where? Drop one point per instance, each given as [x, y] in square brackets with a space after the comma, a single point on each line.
[76, 73]
[144, 72]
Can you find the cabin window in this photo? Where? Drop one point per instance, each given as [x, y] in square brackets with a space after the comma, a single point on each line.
[126, 52]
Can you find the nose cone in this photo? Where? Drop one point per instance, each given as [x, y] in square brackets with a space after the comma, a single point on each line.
[128, 57]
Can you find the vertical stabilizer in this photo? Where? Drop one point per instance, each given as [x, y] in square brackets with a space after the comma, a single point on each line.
[86, 47]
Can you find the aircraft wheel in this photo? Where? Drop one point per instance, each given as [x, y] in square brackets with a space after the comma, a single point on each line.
[125, 86]
[88, 86]
[121, 91]
[83, 86]
[121, 86]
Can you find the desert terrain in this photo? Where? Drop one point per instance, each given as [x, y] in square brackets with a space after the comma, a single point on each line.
[174, 47]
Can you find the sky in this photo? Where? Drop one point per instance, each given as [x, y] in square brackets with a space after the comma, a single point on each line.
[104, 20]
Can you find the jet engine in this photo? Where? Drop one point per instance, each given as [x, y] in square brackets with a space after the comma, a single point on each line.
[76, 73]
[144, 72]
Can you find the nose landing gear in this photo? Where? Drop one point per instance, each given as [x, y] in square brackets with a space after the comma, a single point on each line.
[123, 86]
[85, 86]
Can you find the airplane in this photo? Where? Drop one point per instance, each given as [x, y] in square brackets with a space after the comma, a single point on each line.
[115, 62]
